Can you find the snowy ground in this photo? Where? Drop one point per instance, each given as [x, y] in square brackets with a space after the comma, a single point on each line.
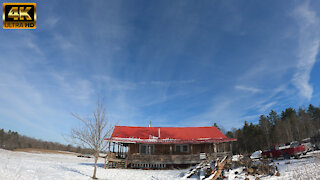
[23, 165]
[307, 167]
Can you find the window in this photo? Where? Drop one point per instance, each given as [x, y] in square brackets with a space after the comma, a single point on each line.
[146, 149]
[185, 148]
[182, 148]
[143, 149]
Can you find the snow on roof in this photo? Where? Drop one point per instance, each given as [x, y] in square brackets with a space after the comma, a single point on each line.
[131, 134]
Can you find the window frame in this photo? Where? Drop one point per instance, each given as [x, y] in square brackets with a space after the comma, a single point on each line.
[181, 148]
[147, 149]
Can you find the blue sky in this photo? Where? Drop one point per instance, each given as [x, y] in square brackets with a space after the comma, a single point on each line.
[176, 63]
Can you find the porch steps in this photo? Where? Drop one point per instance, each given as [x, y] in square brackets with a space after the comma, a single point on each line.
[120, 165]
[116, 165]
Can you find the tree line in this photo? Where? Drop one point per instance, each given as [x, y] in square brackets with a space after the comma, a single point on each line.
[11, 140]
[290, 125]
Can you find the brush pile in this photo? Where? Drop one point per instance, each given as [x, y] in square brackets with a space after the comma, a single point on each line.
[256, 167]
[233, 167]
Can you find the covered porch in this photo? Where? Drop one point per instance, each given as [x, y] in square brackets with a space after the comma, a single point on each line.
[134, 155]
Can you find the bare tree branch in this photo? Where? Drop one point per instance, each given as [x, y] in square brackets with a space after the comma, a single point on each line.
[93, 131]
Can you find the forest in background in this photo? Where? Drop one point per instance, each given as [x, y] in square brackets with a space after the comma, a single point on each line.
[11, 140]
[290, 125]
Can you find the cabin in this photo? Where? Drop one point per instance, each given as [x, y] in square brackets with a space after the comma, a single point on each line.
[165, 147]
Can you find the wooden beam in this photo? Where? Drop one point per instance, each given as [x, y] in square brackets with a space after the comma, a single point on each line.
[109, 145]
[118, 148]
[215, 174]
[105, 162]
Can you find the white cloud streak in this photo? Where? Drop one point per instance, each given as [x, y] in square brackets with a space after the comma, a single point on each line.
[78, 89]
[246, 88]
[266, 107]
[309, 41]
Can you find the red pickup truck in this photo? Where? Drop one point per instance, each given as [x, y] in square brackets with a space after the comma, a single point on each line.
[288, 150]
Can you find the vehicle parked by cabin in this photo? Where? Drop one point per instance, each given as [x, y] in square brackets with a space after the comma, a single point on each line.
[307, 143]
[315, 140]
[293, 149]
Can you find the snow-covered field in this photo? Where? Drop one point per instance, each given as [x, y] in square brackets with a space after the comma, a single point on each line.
[26, 165]
[308, 167]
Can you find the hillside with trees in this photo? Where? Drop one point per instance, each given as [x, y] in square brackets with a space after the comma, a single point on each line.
[13, 140]
[290, 125]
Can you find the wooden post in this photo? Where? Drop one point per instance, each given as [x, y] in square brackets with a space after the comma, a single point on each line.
[105, 162]
[191, 148]
[231, 146]
[223, 147]
[215, 147]
[170, 149]
[118, 149]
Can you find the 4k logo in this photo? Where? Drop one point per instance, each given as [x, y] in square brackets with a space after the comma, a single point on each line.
[19, 16]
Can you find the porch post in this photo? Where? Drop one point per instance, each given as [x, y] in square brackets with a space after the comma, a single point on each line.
[215, 147]
[218, 147]
[191, 148]
[128, 149]
[121, 150]
[231, 146]
[224, 147]
[109, 146]
[170, 148]
[105, 162]
[118, 149]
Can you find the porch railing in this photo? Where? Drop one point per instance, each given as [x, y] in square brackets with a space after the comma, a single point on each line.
[168, 159]
[172, 159]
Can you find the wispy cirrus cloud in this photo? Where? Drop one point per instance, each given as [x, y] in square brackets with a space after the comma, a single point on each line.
[267, 106]
[247, 88]
[76, 88]
[309, 41]
[52, 21]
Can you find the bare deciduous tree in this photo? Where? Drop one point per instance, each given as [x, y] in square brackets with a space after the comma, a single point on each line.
[93, 131]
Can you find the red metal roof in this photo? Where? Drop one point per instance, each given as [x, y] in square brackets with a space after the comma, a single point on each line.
[130, 134]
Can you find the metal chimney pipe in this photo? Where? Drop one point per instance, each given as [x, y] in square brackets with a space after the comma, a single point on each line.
[159, 132]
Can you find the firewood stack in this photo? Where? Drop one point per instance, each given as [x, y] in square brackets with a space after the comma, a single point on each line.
[212, 170]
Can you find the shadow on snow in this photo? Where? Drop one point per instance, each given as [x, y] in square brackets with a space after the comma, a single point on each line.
[73, 170]
[92, 164]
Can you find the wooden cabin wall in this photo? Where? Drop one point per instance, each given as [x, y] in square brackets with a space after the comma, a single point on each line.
[161, 149]
[134, 148]
[202, 148]
[196, 148]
